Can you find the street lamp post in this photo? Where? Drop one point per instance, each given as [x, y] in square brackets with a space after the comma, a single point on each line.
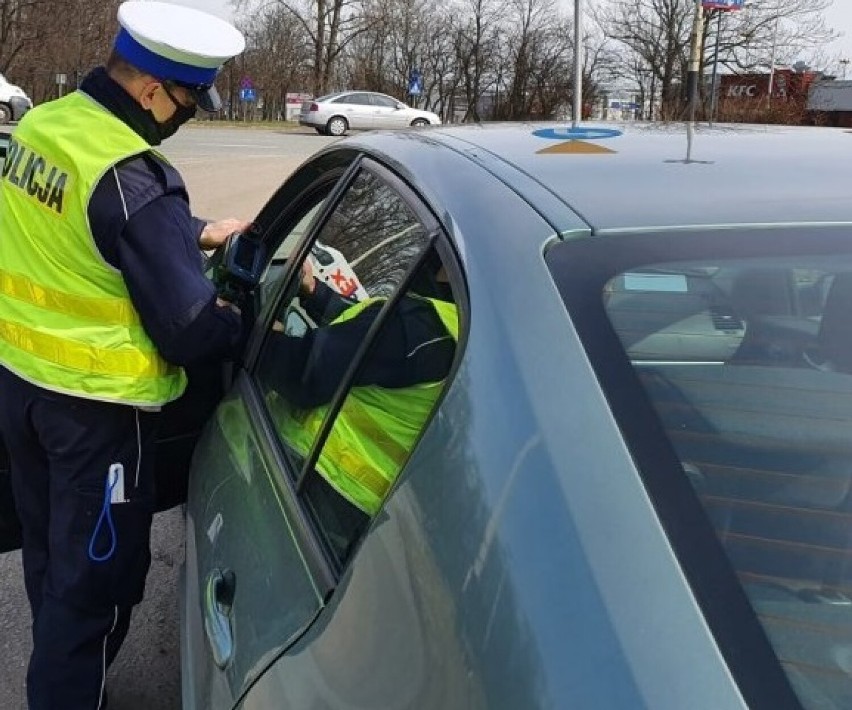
[714, 99]
[695, 58]
[578, 64]
[772, 62]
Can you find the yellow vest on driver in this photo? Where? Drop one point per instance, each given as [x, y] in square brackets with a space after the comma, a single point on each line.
[66, 320]
[374, 431]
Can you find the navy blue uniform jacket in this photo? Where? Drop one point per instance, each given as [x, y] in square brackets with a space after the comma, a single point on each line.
[142, 225]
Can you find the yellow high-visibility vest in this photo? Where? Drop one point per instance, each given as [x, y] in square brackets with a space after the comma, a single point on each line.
[374, 431]
[66, 320]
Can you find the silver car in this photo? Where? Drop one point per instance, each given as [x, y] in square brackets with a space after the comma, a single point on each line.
[631, 487]
[335, 114]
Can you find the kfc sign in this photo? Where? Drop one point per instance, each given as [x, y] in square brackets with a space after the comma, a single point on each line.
[741, 91]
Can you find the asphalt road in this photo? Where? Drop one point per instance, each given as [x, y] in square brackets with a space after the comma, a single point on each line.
[230, 172]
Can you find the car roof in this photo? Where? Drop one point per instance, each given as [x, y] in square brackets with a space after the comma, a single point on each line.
[645, 176]
[354, 91]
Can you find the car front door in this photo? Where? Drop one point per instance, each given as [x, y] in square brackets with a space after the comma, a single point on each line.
[385, 112]
[357, 110]
[267, 537]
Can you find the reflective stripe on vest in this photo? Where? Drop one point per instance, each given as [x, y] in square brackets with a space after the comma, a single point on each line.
[374, 431]
[66, 319]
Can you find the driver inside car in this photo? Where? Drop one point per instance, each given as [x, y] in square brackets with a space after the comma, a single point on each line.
[394, 388]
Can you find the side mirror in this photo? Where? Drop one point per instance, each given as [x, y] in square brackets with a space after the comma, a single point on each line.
[400, 106]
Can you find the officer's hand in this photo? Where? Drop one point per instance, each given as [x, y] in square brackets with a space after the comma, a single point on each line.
[227, 304]
[215, 233]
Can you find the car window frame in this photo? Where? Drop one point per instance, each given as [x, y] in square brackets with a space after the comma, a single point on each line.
[581, 268]
[383, 101]
[333, 171]
[437, 239]
[352, 99]
[287, 206]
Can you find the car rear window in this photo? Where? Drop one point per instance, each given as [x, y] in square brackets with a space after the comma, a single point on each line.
[746, 363]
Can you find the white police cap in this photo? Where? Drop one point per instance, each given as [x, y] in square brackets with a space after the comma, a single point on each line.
[178, 44]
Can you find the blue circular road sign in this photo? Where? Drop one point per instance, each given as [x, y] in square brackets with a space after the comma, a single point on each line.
[579, 133]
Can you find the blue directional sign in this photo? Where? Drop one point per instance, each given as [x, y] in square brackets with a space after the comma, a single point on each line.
[248, 94]
[722, 4]
[579, 133]
[415, 83]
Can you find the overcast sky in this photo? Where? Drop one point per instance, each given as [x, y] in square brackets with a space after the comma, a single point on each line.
[222, 8]
[839, 16]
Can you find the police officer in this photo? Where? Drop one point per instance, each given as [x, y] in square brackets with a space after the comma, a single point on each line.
[102, 303]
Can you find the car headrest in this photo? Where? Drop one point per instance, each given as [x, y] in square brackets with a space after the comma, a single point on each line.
[835, 332]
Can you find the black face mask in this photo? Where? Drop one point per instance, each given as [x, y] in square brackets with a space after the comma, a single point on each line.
[182, 114]
[169, 127]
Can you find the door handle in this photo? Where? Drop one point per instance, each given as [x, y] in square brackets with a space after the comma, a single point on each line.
[219, 589]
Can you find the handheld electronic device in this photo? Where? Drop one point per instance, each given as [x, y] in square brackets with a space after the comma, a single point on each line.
[238, 265]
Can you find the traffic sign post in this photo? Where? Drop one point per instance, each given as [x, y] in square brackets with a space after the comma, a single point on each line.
[248, 96]
[415, 85]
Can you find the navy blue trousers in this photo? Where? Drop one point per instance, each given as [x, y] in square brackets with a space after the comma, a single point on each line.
[60, 450]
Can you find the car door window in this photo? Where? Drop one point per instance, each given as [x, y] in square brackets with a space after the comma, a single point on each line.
[383, 101]
[292, 235]
[356, 357]
[355, 99]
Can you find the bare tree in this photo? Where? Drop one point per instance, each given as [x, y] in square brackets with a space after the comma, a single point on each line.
[329, 24]
[40, 39]
[476, 48]
[278, 59]
[526, 37]
[438, 59]
[657, 32]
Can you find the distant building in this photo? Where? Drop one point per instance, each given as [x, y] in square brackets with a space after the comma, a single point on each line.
[787, 85]
[745, 97]
[830, 103]
[293, 104]
[619, 103]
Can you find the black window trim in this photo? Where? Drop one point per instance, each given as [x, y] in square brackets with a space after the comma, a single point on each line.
[581, 268]
[303, 527]
[339, 181]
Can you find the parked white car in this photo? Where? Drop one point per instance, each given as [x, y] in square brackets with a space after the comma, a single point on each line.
[14, 102]
[335, 114]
